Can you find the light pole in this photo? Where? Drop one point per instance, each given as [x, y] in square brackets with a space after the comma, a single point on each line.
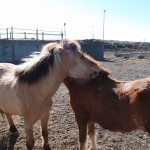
[65, 30]
[102, 49]
[104, 23]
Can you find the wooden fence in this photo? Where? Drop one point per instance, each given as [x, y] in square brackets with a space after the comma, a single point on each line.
[16, 33]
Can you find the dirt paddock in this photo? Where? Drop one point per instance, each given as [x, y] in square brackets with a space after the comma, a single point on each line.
[63, 132]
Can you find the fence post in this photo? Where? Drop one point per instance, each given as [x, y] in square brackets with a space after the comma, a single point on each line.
[10, 35]
[42, 35]
[61, 35]
[102, 50]
[25, 35]
[12, 43]
[37, 39]
[7, 32]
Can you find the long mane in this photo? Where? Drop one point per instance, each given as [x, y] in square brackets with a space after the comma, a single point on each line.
[38, 65]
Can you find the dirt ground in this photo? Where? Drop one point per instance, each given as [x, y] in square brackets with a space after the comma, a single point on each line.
[63, 132]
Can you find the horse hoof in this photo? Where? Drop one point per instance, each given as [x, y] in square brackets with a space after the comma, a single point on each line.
[13, 129]
[29, 147]
[47, 147]
[15, 133]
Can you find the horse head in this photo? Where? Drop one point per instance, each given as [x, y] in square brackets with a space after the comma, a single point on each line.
[80, 64]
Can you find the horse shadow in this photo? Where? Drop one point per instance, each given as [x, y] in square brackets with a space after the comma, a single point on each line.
[8, 141]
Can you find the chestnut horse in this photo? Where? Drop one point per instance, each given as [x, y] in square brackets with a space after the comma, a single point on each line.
[27, 89]
[120, 106]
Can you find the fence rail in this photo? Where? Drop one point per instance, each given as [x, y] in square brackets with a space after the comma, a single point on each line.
[16, 33]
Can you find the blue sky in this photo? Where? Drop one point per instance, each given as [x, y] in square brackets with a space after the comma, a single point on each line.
[124, 19]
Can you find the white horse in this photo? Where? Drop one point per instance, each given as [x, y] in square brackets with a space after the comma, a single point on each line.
[26, 89]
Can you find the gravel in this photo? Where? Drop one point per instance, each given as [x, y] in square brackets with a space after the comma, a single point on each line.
[63, 132]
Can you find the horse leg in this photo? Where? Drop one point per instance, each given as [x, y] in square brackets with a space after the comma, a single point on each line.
[82, 126]
[28, 125]
[91, 133]
[12, 128]
[147, 126]
[44, 122]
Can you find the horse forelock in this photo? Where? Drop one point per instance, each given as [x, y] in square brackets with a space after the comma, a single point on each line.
[38, 65]
[71, 45]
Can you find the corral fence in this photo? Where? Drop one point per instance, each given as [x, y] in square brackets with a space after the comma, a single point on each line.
[16, 33]
[15, 42]
[18, 43]
[129, 49]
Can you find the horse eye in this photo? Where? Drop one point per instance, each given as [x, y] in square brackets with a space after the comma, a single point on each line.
[82, 57]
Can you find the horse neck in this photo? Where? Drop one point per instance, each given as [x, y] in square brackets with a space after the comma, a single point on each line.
[67, 82]
[49, 84]
[77, 84]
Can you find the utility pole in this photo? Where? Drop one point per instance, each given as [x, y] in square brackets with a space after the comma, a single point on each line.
[104, 23]
[102, 48]
[12, 44]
